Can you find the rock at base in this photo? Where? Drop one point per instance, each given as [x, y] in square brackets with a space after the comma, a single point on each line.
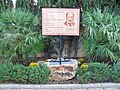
[65, 71]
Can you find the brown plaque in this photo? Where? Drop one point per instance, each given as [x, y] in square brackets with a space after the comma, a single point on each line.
[60, 21]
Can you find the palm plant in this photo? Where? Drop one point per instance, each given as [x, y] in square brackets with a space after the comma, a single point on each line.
[8, 4]
[111, 5]
[66, 3]
[24, 3]
[102, 37]
[18, 33]
[2, 6]
[5, 4]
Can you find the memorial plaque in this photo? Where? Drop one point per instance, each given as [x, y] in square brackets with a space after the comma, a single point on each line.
[60, 21]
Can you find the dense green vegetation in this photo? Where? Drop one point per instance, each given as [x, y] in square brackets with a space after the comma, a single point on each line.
[100, 18]
[18, 33]
[36, 74]
[102, 37]
[115, 72]
[21, 74]
[98, 72]
[20, 36]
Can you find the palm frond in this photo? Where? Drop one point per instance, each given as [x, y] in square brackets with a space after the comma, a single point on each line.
[103, 31]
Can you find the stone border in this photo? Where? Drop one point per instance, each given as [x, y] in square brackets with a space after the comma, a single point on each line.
[60, 86]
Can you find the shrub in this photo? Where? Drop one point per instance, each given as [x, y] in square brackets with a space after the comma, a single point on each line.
[115, 72]
[22, 74]
[97, 72]
[83, 76]
[6, 72]
[18, 33]
[39, 74]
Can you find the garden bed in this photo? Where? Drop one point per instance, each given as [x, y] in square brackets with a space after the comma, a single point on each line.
[93, 72]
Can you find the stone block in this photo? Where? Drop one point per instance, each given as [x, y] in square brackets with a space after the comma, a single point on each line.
[29, 86]
[71, 86]
[56, 86]
[96, 89]
[92, 85]
[107, 85]
[27, 89]
[65, 71]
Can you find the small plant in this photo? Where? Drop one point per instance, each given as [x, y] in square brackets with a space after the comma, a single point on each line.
[33, 64]
[81, 60]
[83, 76]
[84, 66]
[97, 72]
[20, 73]
[115, 72]
[6, 71]
[39, 74]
